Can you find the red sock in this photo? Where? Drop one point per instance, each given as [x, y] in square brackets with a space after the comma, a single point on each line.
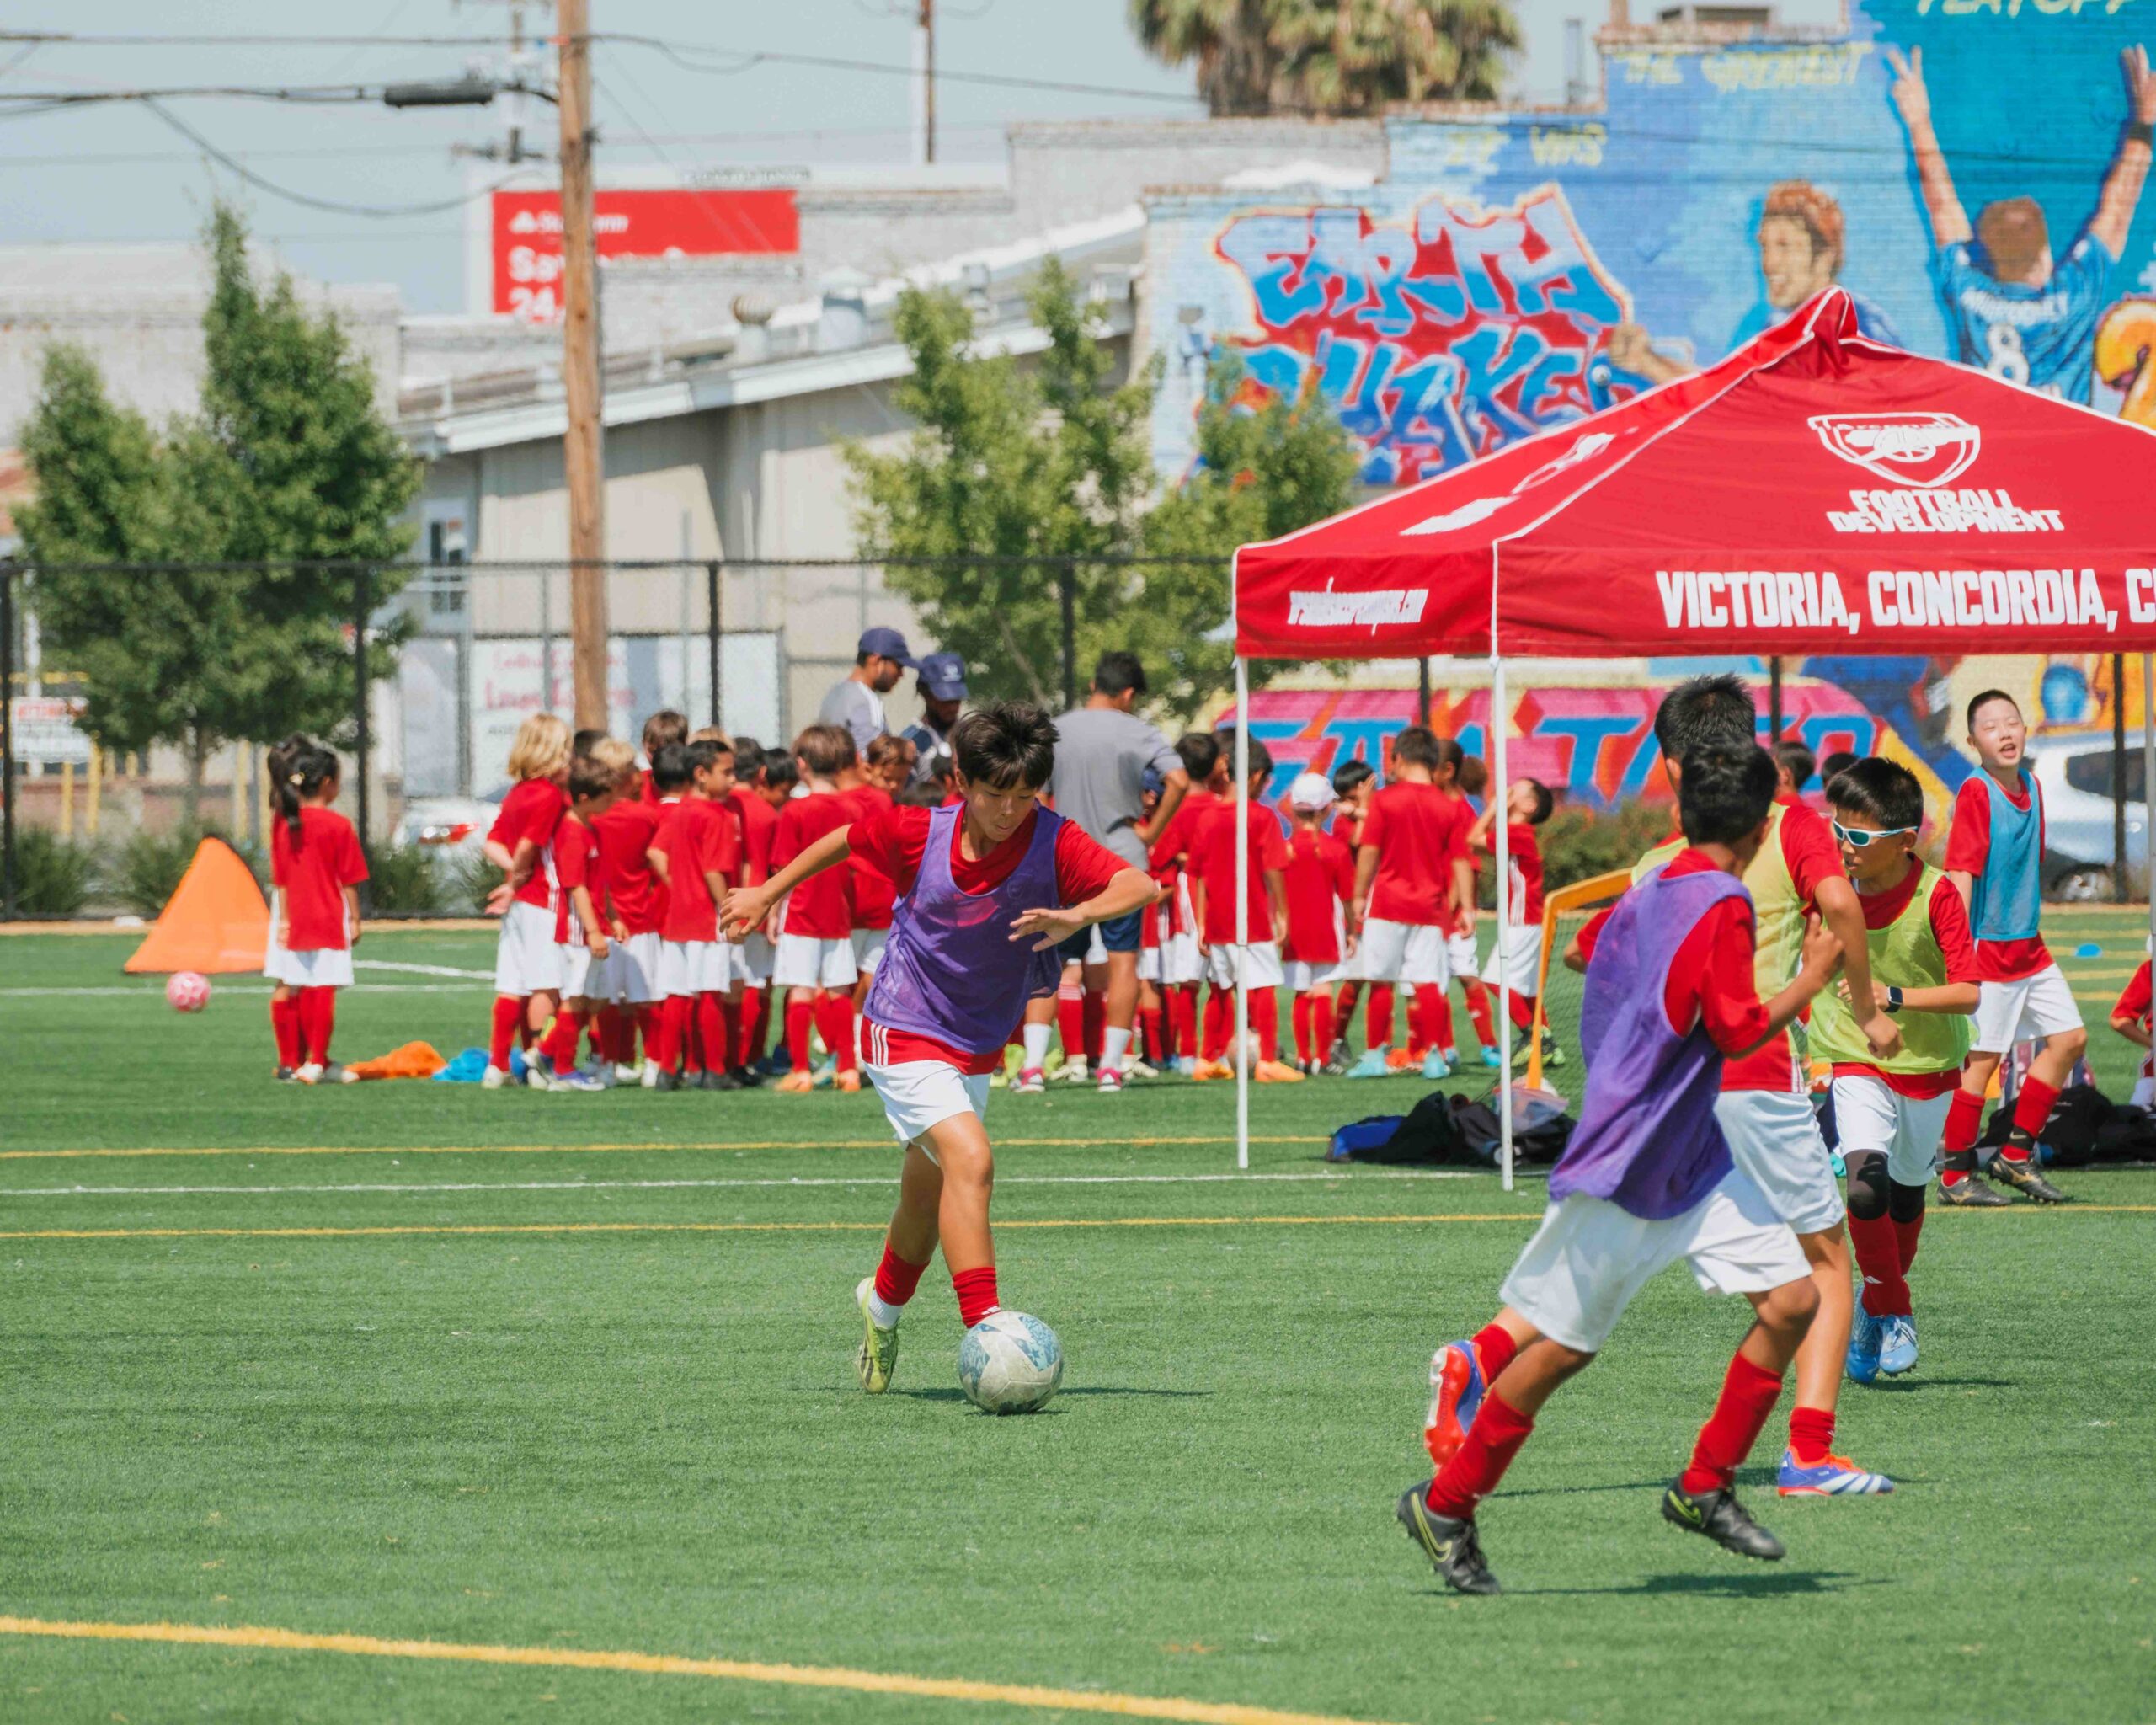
[1182, 1017]
[1437, 1015]
[2032, 1111]
[1265, 1020]
[1301, 1014]
[976, 1292]
[606, 1032]
[646, 1024]
[1070, 1023]
[896, 1279]
[285, 1026]
[1220, 1023]
[800, 1014]
[1480, 1461]
[749, 1026]
[1322, 1026]
[1748, 1394]
[1905, 1236]
[509, 1013]
[1351, 994]
[1478, 1013]
[676, 1050]
[1520, 1008]
[1154, 1023]
[1494, 1346]
[317, 1018]
[561, 1040]
[1378, 1032]
[1811, 1434]
[1879, 1263]
[715, 1025]
[834, 1019]
[1096, 1017]
[1965, 1118]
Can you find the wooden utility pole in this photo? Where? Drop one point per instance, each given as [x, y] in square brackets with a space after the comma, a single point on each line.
[925, 48]
[582, 458]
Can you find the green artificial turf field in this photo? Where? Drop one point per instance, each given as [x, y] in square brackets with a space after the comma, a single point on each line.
[561, 1378]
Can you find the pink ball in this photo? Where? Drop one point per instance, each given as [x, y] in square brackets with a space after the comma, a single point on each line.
[188, 992]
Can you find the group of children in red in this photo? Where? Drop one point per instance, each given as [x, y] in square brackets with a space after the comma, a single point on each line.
[1696, 1139]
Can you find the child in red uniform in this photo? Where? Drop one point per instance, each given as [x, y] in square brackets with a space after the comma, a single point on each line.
[2130, 1017]
[664, 729]
[527, 964]
[1180, 967]
[579, 926]
[1320, 878]
[316, 864]
[1465, 777]
[868, 791]
[1353, 783]
[756, 816]
[629, 900]
[1528, 804]
[278, 761]
[697, 852]
[1257, 960]
[814, 961]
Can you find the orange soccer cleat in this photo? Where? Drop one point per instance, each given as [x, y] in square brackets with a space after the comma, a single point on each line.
[1209, 1072]
[795, 1084]
[1277, 1072]
[848, 1081]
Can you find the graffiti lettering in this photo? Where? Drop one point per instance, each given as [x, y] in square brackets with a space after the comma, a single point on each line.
[1472, 147]
[1640, 66]
[1568, 145]
[1784, 68]
[1433, 345]
[2012, 8]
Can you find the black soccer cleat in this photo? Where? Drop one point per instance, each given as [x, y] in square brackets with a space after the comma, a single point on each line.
[746, 1078]
[1718, 1516]
[718, 1080]
[1453, 1550]
[1971, 1191]
[667, 1081]
[2023, 1177]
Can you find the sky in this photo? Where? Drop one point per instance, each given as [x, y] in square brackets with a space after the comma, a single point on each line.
[116, 172]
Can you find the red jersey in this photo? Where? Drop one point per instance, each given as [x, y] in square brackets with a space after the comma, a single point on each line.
[1524, 859]
[1212, 865]
[758, 821]
[532, 810]
[1949, 929]
[1711, 977]
[698, 836]
[2135, 1006]
[1968, 850]
[1348, 830]
[1170, 856]
[624, 833]
[1419, 832]
[873, 893]
[576, 864]
[1320, 878]
[895, 839]
[646, 792]
[314, 874]
[821, 909]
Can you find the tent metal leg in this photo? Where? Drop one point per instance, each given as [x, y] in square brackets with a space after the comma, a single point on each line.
[1242, 913]
[1500, 789]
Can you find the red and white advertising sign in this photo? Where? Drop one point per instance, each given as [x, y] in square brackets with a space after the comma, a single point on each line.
[710, 221]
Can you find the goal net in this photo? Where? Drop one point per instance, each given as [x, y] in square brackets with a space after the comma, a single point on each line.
[1564, 913]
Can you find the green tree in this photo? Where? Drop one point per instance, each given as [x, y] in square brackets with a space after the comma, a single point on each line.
[1230, 41]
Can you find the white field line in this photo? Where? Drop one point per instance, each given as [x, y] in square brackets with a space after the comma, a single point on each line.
[423, 1189]
[423, 970]
[155, 991]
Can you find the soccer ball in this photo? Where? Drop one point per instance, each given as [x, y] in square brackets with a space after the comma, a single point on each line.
[1010, 1363]
[187, 991]
[1241, 1054]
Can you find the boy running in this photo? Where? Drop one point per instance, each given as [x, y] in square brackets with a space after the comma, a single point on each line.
[1994, 854]
[1890, 1113]
[1647, 1177]
[987, 890]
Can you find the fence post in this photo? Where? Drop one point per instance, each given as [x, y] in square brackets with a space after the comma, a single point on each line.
[6, 740]
[361, 587]
[714, 599]
[1067, 582]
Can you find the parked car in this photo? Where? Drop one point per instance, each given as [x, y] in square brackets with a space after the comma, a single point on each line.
[449, 826]
[2074, 769]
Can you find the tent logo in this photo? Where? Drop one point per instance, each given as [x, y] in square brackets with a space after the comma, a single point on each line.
[1382, 609]
[1909, 449]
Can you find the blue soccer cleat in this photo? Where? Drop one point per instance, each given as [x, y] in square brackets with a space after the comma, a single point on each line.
[1897, 1346]
[1837, 1477]
[1866, 1335]
[1456, 1388]
[1491, 1058]
[1435, 1065]
[1371, 1066]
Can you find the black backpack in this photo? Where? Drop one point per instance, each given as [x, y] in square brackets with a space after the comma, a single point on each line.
[1426, 1136]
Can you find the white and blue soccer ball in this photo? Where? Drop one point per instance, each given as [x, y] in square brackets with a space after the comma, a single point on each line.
[1010, 1363]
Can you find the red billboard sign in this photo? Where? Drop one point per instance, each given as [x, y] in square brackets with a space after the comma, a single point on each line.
[668, 223]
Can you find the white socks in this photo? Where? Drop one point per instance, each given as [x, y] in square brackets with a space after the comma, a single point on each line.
[1036, 1039]
[1114, 1045]
[881, 1313]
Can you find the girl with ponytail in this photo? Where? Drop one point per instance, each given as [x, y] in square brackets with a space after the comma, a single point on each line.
[284, 995]
[316, 864]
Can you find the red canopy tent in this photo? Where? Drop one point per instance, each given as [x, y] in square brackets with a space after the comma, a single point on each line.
[1815, 492]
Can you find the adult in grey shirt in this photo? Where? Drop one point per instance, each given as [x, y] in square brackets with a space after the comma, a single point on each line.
[1102, 753]
[856, 700]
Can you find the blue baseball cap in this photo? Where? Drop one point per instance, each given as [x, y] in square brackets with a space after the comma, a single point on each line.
[886, 644]
[943, 676]
[1153, 783]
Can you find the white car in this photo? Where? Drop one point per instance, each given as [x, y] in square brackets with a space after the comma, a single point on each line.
[2074, 769]
[448, 826]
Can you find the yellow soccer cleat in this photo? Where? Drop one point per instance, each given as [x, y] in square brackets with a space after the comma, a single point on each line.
[879, 1346]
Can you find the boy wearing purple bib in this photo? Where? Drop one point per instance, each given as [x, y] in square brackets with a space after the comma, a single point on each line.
[1647, 1177]
[988, 887]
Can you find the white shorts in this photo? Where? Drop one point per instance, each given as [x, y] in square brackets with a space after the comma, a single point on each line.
[1261, 965]
[1096, 950]
[1149, 964]
[694, 967]
[577, 967]
[1412, 952]
[918, 1094]
[2032, 1008]
[868, 944]
[319, 967]
[526, 960]
[804, 961]
[753, 960]
[1523, 965]
[1590, 1256]
[273, 951]
[1773, 1139]
[629, 973]
[1303, 975]
[1906, 1129]
[1461, 957]
[1184, 963]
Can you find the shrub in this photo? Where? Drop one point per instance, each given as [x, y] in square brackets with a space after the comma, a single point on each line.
[1578, 843]
[149, 867]
[403, 878]
[54, 876]
[467, 877]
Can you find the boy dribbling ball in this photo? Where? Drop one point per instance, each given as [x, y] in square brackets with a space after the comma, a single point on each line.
[987, 889]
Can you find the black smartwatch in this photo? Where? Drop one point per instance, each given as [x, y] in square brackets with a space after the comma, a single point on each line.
[1893, 999]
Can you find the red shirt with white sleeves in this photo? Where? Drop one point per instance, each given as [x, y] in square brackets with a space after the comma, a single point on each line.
[576, 864]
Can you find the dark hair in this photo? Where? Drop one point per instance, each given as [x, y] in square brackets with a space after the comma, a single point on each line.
[1350, 773]
[1545, 801]
[825, 750]
[306, 769]
[1200, 752]
[884, 750]
[588, 779]
[1797, 761]
[941, 766]
[1985, 699]
[1006, 745]
[703, 756]
[1715, 709]
[1723, 792]
[1117, 672]
[581, 742]
[747, 754]
[1261, 759]
[779, 770]
[1419, 746]
[664, 727]
[1879, 790]
[1836, 764]
[1472, 774]
[670, 768]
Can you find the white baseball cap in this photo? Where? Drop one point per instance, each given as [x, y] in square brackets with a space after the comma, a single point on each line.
[1312, 791]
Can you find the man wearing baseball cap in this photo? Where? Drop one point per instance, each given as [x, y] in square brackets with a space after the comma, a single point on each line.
[941, 679]
[857, 702]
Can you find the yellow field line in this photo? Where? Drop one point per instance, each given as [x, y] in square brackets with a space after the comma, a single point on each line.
[615, 1149]
[960, 1689]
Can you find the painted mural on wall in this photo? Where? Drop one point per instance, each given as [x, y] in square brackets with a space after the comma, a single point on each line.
[1972, 171]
